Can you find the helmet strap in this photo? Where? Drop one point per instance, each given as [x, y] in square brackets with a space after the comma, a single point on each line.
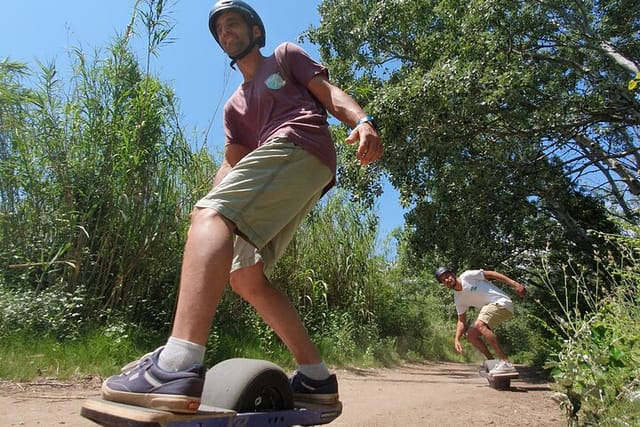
[254, 41]
[244, 53]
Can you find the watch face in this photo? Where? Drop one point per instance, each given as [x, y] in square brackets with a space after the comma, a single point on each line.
[368, 119]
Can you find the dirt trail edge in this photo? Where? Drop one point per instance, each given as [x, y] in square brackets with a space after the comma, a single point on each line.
[433, 394]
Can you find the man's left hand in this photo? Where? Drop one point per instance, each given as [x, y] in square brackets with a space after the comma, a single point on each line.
[521, 290]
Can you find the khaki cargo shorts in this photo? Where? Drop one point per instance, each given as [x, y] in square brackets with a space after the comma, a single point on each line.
[267, 195]
[494, 315]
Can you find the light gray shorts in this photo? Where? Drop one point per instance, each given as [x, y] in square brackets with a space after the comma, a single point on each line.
[267, 195]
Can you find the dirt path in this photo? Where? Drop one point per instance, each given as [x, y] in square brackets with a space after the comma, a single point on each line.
[438, 394]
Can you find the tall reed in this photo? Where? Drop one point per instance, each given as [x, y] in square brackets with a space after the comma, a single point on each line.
[97, 180]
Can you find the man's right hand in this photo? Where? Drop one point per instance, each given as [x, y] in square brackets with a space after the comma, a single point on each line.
[370, 147]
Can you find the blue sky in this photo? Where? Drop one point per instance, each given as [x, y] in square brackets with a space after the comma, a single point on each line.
[193, 64]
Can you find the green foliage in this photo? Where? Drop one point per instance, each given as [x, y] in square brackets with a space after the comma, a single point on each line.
[99, 352]
[97, 181]
[596, 365]
[332, 263]
[507, 125]
[371, 302]
[51, 313]
[520, 338]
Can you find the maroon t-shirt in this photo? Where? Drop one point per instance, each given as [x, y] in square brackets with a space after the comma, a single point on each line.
[276, 103]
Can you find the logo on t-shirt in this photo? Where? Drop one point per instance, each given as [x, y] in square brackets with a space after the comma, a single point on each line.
[275, 81]
[473, 288]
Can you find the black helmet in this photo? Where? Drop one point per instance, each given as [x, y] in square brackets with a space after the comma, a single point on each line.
[441, 270]
[250, 14]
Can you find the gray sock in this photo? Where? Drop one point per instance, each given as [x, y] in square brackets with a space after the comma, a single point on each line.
[317, 371]
[180, 355]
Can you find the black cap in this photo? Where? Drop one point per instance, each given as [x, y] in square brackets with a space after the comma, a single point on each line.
[238, 5]
[441, 270]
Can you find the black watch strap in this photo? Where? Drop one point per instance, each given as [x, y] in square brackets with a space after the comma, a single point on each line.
[368, 119]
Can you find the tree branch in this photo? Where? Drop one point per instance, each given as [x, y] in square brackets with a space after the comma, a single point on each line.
[620, 59]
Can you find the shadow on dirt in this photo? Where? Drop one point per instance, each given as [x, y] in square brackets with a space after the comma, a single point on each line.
[531, 379]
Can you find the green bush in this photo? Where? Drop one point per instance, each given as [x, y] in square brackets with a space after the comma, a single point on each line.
[52, 313]
[597, 366]
[96, 181]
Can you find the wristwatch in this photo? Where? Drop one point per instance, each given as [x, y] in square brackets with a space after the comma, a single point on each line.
[368, 119]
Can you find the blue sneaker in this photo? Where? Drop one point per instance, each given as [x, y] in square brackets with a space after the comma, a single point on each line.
[143, 383]
[320, 392]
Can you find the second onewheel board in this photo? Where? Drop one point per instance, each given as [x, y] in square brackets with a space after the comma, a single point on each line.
[498, 381]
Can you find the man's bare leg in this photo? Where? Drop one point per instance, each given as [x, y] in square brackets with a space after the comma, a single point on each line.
[473, 335]
[205, 273]
[152, 381]
[277, 311]
[484, 330]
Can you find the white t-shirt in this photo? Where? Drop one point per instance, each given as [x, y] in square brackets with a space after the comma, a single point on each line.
[478, 292]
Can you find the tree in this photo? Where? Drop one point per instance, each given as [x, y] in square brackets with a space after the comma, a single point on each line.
[504, 121]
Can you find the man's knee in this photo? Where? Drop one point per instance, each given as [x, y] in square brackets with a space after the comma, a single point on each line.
[481, 328]
[203, 216]
[473, 333]
[200, 214]
[248, 281]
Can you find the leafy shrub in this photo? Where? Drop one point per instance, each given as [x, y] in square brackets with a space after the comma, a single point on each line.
[597, 366]
[51, 313]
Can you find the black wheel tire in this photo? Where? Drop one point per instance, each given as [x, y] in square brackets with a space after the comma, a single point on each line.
[502, 384]
[247, 385]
